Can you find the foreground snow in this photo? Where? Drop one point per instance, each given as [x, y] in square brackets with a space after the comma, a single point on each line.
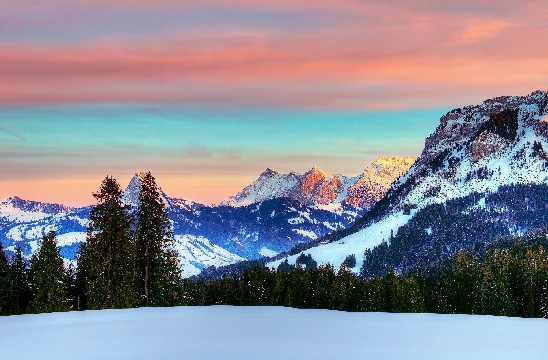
[224, 332]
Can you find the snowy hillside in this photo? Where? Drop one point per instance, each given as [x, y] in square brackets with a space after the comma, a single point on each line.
[197, 252]
[239, 333]
[316, 187]
[484, 165]
[272, 215]
[23, 223]
[480, 148]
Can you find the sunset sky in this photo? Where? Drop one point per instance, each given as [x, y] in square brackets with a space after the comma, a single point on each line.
[207, 94]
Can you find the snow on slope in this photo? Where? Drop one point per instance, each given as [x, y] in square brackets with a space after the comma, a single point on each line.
[239, 333]
[11, 212]
[197, 253]
[327, 191]
[481, 148]
[376, 179]
[23, 223]
[336, 252]
[269, 185]
[207, 235]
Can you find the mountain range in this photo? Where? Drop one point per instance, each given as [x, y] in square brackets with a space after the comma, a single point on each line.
[270, 216]
[483, 174]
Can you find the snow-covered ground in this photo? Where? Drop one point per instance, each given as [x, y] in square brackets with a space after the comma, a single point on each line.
[224, 333]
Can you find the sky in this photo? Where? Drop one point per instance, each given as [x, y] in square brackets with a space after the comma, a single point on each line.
[206, 95]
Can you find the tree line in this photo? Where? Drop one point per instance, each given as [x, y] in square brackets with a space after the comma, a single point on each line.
[128, 260]
[508, 282]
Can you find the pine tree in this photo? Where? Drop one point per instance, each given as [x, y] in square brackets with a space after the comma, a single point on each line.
[5, 294]
[81, 278]
[391, 291]
[158, 273]
[108, 258]
[19, 283]
[72, 286]
[410, 298]
[344, 290]
[48, 278]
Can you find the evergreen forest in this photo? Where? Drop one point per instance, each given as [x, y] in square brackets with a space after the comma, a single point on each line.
[129, 260]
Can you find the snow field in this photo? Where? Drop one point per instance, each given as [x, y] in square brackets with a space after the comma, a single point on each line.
[225, 332]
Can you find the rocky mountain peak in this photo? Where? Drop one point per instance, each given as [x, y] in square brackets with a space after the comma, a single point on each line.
[131, 193]
[268, 173]
[317, 187]
[475, 180]
[480, 148]
[16, 202]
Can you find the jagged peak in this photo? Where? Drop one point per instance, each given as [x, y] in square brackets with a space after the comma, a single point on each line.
[317, 171]
[31, 205]
[314, 186]
[13, 199]
[394, 160]
[141, 175]
[133, 189]
[268, 172]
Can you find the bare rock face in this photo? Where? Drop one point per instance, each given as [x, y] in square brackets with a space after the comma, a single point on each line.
[376, 180]
[309, 182]
[495, 134]
[478, 149]
[328, 191]
[486, 144]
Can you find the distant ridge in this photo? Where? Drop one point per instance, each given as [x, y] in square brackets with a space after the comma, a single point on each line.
[319, 188]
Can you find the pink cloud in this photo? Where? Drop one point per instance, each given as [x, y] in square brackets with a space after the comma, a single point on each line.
[481, 30]
[372, 55]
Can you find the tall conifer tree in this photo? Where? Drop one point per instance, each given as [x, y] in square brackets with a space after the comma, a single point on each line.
[48, 278]
[19, 283]
[109, 256]
[157, 262]
[5, 294]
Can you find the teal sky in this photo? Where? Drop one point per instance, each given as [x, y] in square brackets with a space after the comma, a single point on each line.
[202, 155]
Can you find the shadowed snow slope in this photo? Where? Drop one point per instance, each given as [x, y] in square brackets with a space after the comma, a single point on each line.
[223, 332]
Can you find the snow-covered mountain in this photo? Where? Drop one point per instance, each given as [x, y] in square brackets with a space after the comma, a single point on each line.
[23, 223]
[483, 173]
[319, 188]
[205, 236]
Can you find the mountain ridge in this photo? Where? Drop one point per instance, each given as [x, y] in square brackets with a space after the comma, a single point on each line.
[319, 188]
[204, 235]
[489, 153]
